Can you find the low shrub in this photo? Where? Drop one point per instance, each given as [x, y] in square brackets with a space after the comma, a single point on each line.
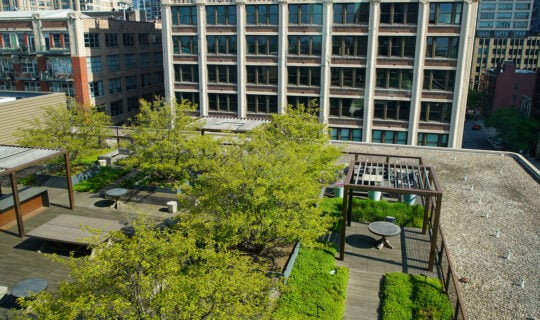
[365, 210]
[316, 288]
[407, 296]
[105, 176]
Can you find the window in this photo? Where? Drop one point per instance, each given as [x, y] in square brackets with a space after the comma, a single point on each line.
[391, 137]
[31, 86]
[433, 139]
[397, 46]
[520, 24]
[221, 44]
[158, 77]
[130, 61]
[502, 24]
[435, 112]
[262, 104]
[304, 76]
[146, 59]
[116, 108]
[143, 39]
[351, 13]
[439, 80]
[115, 86]
[65, 87]
[392, 110]
[487, 6]
[146, 80]
[96, 89]
[221, 15]
[504, 15]
[93, 64]
[394, 79]
[184, 15]
[348, 77]
[263, 14]
[185, 45]
[132, 104]
[305, 14]
[265, 75]
[487, 15]
[192, 97]
[485, 24]
[91, 40]
[520, 6]
[347, 107]
[156, 40]
[308, 102]
[128, 40]
[445, 13]
[59, 40]
[113, 62]
[131, 82]
[222, 102]
[262, 45]
[399, 13]
[186, 73]
[305, 45]
[445, 47]
[521, 15]
[346, 134]
[158, 58]
[111, 40]
[222, 73]
[352, 46]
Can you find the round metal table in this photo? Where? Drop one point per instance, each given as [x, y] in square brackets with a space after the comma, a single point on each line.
[29, 287]
[116, 194]
[384, 229]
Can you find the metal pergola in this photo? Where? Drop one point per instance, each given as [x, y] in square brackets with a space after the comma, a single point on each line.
[16, 158]
[399, 178]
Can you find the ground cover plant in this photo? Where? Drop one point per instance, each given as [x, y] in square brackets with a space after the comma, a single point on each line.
[365, 210]
[316, 288]
[407, 296]
[105, 176]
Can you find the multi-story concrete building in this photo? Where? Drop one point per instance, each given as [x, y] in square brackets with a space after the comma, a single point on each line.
[505, 32]
[381, 71]
[152, 8]
[100, 60]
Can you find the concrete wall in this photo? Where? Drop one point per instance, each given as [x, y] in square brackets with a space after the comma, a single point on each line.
[19, 113]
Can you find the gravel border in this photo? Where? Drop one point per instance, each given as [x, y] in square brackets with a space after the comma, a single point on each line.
[486, 192]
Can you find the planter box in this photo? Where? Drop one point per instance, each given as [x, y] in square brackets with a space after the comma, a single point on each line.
[60, 182]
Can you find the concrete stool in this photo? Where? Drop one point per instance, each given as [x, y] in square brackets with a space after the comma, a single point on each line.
[3, 291]
[172, 206]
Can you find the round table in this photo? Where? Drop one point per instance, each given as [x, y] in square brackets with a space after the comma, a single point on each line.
[116, 194]
[384, 229]
[29, 287]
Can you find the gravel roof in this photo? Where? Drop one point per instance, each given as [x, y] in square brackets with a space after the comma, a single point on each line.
[485, 192]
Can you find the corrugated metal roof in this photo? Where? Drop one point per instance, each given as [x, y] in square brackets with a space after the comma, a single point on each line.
[15, 156]
[230, 124]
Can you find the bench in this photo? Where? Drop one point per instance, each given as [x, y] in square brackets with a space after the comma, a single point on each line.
[110, 156]
[30, 199]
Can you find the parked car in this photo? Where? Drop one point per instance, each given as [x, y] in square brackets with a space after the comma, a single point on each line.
[476, 127]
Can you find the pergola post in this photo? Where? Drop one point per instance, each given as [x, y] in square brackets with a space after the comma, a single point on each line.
[344, 212]
[18, 214]
[69, 182]
[435, 232]
[427, 209]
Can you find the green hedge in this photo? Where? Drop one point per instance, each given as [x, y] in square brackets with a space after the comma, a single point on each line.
[105, 176]
[312, 291]
[365, 210]
[407, 296]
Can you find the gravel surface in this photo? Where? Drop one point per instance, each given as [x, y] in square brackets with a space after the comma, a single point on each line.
[490, 209]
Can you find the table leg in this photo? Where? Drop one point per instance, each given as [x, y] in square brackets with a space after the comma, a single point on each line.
[383, 242]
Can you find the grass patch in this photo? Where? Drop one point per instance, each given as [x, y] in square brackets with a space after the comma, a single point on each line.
[105, 176]
[312, 292]
[407, 296]
[365, 210]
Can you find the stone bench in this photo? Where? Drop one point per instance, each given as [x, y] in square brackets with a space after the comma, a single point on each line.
[112, 156]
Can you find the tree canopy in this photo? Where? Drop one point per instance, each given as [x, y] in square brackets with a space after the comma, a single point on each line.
[168, 145]
[157, 274]
[76, 129]
[266, 190]
[515, 130]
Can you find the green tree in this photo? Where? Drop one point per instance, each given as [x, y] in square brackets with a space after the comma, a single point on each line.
[474, 98]
[170, 153]
[157, 274]
[514, 129]
[266, 191]
[77, 129]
